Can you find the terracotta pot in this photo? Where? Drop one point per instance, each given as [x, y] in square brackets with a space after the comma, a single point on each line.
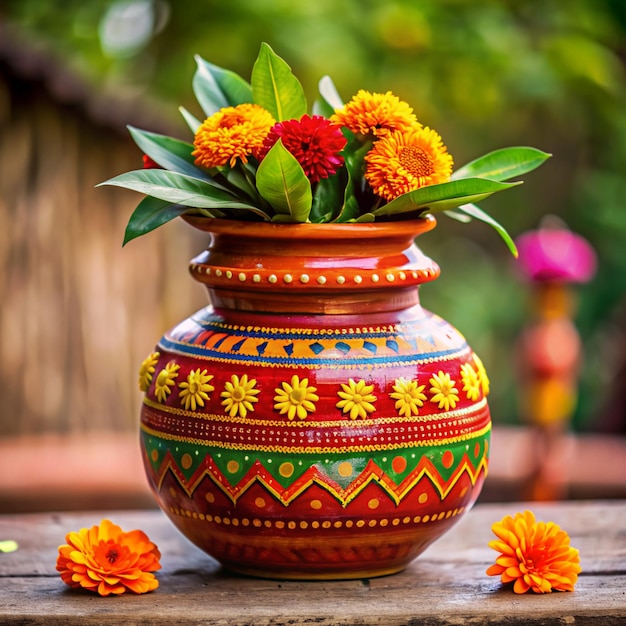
[303, 425]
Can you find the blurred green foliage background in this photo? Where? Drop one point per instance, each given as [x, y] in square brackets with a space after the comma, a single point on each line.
[484, 73]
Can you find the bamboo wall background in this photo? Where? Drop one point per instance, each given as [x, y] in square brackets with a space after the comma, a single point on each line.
[77, 312]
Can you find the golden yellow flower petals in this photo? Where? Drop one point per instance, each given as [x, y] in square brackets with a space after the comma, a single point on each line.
[401, 162]
[445, 394]
[165, 380]
[375, 114]
[239, 395]
[196, 389]
[230, 134]
[482, 375]
[296, 399]
[534, 555]
[356, 399]
[409, 396]
[146, 370]
[471, 382]
[106, 560]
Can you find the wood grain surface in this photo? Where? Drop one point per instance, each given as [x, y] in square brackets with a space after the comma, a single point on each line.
[446, 585]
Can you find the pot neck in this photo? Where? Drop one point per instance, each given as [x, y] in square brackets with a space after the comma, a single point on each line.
[314, 268]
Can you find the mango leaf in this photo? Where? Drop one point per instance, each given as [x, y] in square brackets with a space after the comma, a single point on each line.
[327, 198]
[444, 196]
[366, 218]
[168, 152]
[355, 164]
[275, 88]
[216, 88]
[150, 214]
[479, 214]
[503, 164]
[178, 189]
[282, 182]
[192, 121]
[329, 92]
[459, 217]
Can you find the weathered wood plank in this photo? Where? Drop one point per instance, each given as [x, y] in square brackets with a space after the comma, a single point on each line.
[446, 585]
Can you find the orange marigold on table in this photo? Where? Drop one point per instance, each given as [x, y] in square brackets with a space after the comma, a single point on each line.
[106, 560]
[534, 555]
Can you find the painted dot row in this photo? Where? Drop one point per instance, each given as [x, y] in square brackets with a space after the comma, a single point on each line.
[305, 278]
[316, 524]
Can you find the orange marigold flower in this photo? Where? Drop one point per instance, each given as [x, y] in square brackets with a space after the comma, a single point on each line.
[230, 134]
[534, 555]
[106, 560]
[375, 113]
[403, 162]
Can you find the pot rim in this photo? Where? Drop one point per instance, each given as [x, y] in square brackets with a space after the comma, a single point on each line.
[399, 228]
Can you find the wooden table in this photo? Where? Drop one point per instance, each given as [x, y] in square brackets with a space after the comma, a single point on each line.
[446, 585]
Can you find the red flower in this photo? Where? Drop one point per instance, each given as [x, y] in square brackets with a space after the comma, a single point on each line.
[149, 164]
[314, 141]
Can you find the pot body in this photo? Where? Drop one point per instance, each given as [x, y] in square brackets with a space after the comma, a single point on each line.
[314, 421]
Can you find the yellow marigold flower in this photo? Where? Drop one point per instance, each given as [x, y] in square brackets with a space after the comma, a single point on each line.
[165, 379]
[471, 382]
[106, 560]
[147, 370]
[239, 395]
[375, 113]
[356, 399]
[408, 396]
[445, 394]
[196, 389]
[404, 161]
[482, 375]
[534, 555]
[230, 134]
[296, 399]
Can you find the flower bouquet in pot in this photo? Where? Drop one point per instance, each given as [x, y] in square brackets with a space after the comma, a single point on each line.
[314, 421]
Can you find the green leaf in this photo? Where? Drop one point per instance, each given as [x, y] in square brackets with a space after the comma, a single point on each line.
[150, 214]
[479, 214]
[192, 121]
[275, 88]
[329, 94]
[169, 153]
[177, 189]
[327, 198]
[216, 88]
[366, 218]
[282, 182]
[503, 164]
[355, 166]
[444, 196]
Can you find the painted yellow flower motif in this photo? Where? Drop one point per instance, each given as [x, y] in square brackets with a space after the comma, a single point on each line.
[408, 396]
[482, 375]
[296, 399]
[356, 399]
[471, 382]
[196, 389]
[146, 370]
[445, 394]
[165, 380]
[239, 394]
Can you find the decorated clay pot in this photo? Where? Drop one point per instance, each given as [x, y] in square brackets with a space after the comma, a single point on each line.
[315, 421]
